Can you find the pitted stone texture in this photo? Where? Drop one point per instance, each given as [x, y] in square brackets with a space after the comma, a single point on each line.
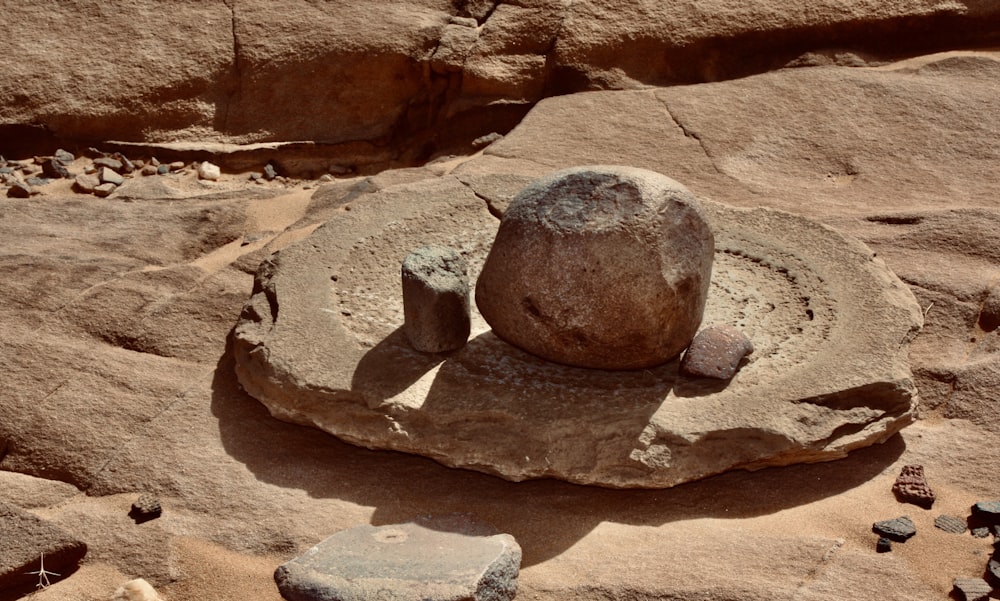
[601, 267]
[426, 561]
[320, 343]
[436, 299]
[911, 487]
[716, 352]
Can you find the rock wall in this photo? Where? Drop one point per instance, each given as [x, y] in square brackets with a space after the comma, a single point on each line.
[400, 81]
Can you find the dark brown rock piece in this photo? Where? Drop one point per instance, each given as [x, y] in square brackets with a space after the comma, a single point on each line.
[602, 267]
[716, 352]
[147, 507]
[26, 539]
[436, 299]
[911, 487]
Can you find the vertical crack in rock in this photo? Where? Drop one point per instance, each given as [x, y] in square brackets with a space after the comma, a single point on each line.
[689, 133]
[236, 70]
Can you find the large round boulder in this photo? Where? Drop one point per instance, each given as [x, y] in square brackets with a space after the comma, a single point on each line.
[602, 267]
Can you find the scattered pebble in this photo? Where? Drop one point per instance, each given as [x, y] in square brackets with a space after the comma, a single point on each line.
[104, 190]
[163, 169]
[86, 182]
[716, 352]
[127, 165]
[327, 178]
[63, 156]
[483, 141]
[110, 163]
[972, 589]
[209, 171]
[149, 169]
[54, 169]
[176, 165]
[146, 508]
[980, 532]
[270, 172]
[136, 590]
[109, 176]
[19, 190]
[950, 523]
[911, 487]
[254, 176]
[884, 545]
[899, 529]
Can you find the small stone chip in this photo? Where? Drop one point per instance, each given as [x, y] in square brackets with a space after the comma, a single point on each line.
[19, 190]
[950, 523]
[972, 589]
[993, 570]
[898, 529]
[146, 508]
[716, 352]
[884, 545]
[981, 532]
[911, 487]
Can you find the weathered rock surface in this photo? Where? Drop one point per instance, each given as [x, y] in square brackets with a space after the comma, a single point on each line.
[911, 487]
[951, 523]
[972, 589]
[26, 539]
[897, 529]
[403, 562]
[601, 267]
[319, 344]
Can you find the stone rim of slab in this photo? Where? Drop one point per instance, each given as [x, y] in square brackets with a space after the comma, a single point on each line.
[834, 378]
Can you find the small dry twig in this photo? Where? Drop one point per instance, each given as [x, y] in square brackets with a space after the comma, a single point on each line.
[43, 574]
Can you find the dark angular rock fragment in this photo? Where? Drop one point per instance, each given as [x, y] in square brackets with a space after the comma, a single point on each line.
[436, 299]
[911, 487]
[54, 169]
[270, 172]
[716, 352]
[972, 589]
[987, 512]
[19, 190]
[898, 529]
[146, 508]
[980, 531]
[993, 570]
[950, 523]
[884, 545]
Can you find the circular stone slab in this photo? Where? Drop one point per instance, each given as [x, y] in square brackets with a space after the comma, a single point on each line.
[602, 266]
[320, 343]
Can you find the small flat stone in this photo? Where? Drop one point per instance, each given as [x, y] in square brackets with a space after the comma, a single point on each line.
[972, 589]
[149, 169]
[884, 545]
[38, 181]
[436, 299]
[19, 190]
[145, 508]
[163, 169]
[109, 176]
[987, 512]
[104, 190]
[716, 352]
[177, 165]
[6, 170]
[911, 487]
[950, 523]
[209, 171]
[405, 561]
[110, 163]
[484, 141]
[980, 531]
[26, 538]
[63, 156]
[898, 529]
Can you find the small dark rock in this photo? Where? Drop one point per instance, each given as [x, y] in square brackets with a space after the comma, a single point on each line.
[254, 176]
[64, 157]
[987, 512]
[146, 508]
[989, 315]
[980, 531]
[898, 529]
[911, 487]
[993, 571]
[19, 190]
[270, 172]
[972, 589]
[54, 169]
[110, 163]
[435, 299]
[950, 523]
[163, 169]
[127, 166]
[716, 352]
[884, 545]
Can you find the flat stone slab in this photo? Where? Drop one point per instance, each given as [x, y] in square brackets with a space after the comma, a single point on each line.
[437, 560]
[320, 343]
[26, 539]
